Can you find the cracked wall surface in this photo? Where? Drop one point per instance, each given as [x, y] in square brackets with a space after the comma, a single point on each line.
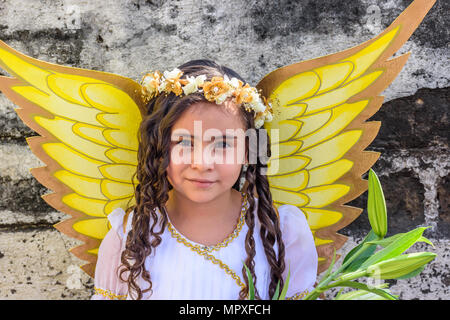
[129, 37]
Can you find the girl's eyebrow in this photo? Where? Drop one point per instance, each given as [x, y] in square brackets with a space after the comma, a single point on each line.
[224, 137]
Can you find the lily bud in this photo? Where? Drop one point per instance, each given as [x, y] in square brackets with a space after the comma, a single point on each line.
[399, 266]
[376, 206]
[360, 295]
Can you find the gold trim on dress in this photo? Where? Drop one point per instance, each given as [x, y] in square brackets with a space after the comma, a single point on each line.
[109, 294]
[224, 243]
[298, 296]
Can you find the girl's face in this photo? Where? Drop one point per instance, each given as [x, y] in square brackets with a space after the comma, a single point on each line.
[207, 150]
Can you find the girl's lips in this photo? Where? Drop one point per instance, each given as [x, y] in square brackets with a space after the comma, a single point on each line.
[201, 183]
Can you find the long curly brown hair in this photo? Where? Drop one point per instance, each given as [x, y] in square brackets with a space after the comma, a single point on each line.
[152, 189]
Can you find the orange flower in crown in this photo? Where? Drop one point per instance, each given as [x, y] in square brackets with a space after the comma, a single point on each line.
[243, 94]
[215, 88]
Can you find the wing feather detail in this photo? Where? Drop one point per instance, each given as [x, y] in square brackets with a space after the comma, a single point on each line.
[88, 123]
[319, 130]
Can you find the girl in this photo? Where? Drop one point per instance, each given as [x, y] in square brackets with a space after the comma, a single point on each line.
[194, 225]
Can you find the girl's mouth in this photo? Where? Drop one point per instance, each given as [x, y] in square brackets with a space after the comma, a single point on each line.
[201, 183]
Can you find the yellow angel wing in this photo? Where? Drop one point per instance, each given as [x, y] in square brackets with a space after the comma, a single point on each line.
[88, 123]
[318, 132]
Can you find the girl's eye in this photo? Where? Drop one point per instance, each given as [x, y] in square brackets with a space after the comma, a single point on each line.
[222, 144]
[185, 143]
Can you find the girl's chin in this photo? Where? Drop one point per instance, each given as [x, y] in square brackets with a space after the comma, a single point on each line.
[202, 194]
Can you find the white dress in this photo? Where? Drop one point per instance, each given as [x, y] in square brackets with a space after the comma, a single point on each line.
[177, 272]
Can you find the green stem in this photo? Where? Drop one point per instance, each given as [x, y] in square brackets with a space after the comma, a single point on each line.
[345, 278]
[320, 287]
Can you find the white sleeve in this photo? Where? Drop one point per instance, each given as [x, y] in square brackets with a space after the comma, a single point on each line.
[300, 251]
[107, 284]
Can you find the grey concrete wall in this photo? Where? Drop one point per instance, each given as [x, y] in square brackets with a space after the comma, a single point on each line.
[253, 38]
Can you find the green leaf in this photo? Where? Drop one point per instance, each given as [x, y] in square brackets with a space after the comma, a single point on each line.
[376, 206]
[285, 287]
[366, 254]
[400, 266]
[387, 241]
[357, 285]
[363, 256]
[423, 239]
[251, 287]
[338, 294]
[277, 291]
[397, 247]
[360, 295]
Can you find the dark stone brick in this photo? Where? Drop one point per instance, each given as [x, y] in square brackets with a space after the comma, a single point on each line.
[23, 195]
[64, 45]
[13, 130]
[169, 29]
[415, 122]
[272, 18]
[404, 196]
[433, 31]
[444, 206]
[155, 3]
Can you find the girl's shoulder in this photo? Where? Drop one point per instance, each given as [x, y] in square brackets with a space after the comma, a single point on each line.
[120, 221]
[290, 217]
[293, 222]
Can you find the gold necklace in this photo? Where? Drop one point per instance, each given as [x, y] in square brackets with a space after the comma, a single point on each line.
[203, 250]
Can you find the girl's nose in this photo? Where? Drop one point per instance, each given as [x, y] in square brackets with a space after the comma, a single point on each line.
[202, 159]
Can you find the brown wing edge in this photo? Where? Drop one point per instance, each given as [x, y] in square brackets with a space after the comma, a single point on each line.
[45, 174]
[409, 20]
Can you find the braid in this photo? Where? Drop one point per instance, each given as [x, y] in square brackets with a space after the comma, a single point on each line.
[249, 239]
[270, 231]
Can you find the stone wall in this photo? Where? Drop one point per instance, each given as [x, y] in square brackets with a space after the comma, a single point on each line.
[254, 38]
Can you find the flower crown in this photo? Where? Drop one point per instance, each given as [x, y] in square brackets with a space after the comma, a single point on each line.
[217, 90]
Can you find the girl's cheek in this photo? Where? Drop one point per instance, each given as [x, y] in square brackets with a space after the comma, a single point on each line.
[229, 172]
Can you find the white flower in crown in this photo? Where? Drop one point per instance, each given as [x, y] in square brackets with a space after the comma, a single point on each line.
[269, 117]
[259, 122]
[151, 82]
[162, 85]
[223, 97]
[256, 104]
[170, 80]
[174, 74]
[233, 82]
[193, 84]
